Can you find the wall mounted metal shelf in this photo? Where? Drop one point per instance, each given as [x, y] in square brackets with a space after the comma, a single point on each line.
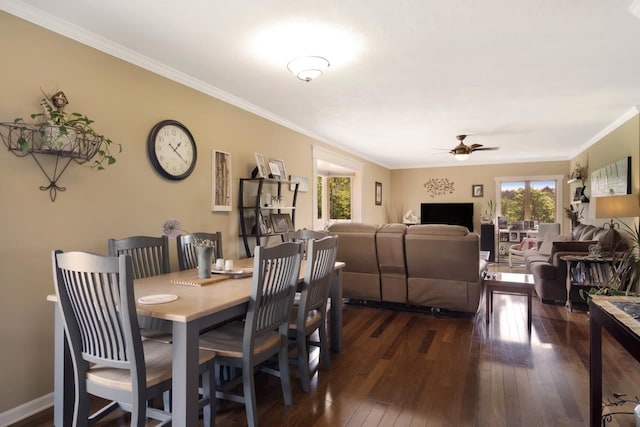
[41, 139]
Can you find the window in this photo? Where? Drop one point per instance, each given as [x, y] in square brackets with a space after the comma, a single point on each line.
[334, 198]
[338, 183]
[534, 198]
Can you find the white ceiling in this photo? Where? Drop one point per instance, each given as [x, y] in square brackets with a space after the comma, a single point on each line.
[541, 79]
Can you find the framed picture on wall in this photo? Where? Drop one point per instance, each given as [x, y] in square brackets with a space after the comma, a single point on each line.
[378, 193]
[220, 181]
[477, 190]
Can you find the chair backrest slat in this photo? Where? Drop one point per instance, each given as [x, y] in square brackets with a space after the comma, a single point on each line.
[95, 294]
[187, 258]
[149, 255]
[275, 277]
[321, 258]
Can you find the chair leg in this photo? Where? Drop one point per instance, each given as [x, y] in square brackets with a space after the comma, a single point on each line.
[81, 406]
[139, 411]
[324, 346]
[249, 390]
[303, 361]
[209, 386]
[283, 362]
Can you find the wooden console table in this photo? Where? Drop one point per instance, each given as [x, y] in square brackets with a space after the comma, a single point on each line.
[621, 326]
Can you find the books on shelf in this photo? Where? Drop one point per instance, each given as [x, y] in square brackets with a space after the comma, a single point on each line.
[591, 273]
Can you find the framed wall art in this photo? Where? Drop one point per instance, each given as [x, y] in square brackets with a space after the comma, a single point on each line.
[477, 190]
[613, 179]
[303, 183]
[220, 181]
[378, 193]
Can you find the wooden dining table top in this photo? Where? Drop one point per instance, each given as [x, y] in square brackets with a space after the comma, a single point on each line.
[195, 301]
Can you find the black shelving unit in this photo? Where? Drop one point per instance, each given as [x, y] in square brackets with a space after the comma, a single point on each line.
[252, 208]
[488, 240]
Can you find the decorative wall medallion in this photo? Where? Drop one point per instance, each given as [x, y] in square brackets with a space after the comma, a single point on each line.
[439, 186]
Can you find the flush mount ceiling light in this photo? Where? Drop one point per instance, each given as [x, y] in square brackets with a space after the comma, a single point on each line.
[307, 68]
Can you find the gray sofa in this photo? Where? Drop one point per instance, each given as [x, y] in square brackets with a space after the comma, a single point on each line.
[550, 272]
[422, 265]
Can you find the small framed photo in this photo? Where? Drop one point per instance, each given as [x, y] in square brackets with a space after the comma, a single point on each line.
[263, 172]
[281, 223]
[503, 222]
[514, 236]
[378, 193]
[266, 227]
[277, 169]
[477, 190]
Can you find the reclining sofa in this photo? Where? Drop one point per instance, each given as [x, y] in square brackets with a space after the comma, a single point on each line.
[423, 265]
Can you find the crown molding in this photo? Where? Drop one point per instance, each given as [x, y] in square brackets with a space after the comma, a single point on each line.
[632, 112]
[53, 23]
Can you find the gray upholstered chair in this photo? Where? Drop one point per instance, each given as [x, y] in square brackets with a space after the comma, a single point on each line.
[109, 357]
[149, 255]
[311, 312]
[263, 334]
[187, 258]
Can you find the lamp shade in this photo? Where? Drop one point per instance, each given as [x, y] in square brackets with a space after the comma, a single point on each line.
[618, 206]
[308, 68]
[461, 156]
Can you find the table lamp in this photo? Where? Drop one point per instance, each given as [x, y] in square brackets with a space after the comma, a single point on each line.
[626, 206]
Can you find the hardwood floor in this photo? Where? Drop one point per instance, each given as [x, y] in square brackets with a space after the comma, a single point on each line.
[403, 368]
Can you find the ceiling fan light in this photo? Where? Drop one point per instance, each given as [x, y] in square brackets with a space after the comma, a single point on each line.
[307, 68]
[461, 156]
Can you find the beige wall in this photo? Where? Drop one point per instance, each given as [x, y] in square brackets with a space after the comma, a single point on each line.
[622, 142]
[129, 198]
[409, 191]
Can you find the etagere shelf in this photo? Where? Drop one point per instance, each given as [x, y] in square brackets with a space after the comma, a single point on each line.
[253, 207]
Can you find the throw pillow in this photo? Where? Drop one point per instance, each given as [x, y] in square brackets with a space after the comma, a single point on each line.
[526, 244]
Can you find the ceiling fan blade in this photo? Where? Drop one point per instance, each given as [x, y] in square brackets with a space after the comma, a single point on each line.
[485, 149]
[476, 145]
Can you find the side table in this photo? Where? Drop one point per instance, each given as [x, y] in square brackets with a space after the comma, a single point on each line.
[515, 283]
[587, 277]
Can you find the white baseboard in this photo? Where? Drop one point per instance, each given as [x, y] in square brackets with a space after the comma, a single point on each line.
[26, 410]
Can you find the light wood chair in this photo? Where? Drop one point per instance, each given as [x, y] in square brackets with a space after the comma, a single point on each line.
[187, 258]
[311, 312]
[149, 255]
[263, 334]
[109, 358]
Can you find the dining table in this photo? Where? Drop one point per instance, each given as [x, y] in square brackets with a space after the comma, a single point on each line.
[195, 309]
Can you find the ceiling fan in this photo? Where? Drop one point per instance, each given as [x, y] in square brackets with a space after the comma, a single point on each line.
[462, 150]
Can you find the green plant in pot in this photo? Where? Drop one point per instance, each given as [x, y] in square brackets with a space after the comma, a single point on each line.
[68, 133]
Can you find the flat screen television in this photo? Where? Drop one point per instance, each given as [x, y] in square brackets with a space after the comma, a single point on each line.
[447, 213]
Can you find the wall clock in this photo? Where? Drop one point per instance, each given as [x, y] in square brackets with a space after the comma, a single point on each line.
[172, 149]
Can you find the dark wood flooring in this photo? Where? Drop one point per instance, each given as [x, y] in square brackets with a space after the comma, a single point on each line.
[403, 368]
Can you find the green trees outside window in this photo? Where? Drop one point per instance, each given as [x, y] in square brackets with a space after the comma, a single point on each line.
[531, 200]
[334, 197]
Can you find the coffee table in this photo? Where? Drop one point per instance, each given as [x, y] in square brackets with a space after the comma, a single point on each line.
[512, 283]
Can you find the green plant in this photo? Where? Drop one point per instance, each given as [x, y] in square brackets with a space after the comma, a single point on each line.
[574, 214]
[491, 205]
[60, 130]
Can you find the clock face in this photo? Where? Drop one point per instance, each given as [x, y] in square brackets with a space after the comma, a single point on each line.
[172, 149]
